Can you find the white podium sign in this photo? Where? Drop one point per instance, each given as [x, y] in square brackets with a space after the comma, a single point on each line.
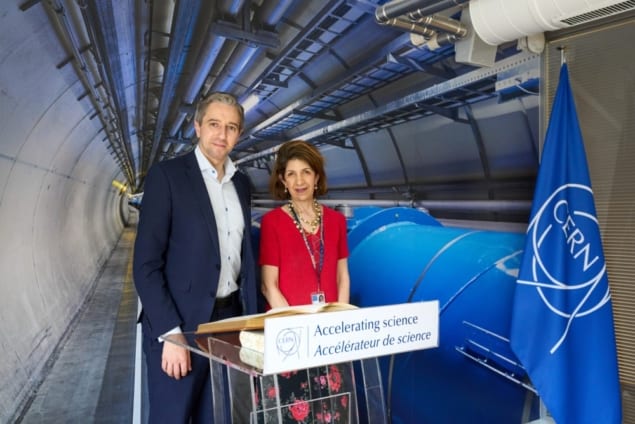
[310, 340]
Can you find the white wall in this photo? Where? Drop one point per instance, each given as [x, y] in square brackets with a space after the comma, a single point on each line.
[59, 214]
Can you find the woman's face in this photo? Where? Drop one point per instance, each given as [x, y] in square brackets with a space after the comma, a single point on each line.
[300, 180]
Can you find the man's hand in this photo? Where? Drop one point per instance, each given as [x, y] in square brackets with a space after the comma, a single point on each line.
[175, 360]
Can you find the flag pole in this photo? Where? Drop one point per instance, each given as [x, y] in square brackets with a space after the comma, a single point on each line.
[544, 417]
[563, 56]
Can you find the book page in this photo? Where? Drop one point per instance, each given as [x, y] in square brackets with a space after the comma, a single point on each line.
[257, 321]
[309, 308]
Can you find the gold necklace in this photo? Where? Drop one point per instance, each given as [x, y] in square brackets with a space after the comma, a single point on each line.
[312, 224]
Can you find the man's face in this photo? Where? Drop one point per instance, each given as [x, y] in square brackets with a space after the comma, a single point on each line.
[218, 132]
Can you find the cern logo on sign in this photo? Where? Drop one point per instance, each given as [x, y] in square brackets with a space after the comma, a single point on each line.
[567, 259]
[288, 342]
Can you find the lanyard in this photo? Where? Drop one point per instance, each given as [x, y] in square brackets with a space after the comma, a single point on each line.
[309, 248]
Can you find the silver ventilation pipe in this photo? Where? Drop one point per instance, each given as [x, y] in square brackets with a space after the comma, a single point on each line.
[410, 26]
[416, 17]
[438, 40]
[439, 22]
[396, 8]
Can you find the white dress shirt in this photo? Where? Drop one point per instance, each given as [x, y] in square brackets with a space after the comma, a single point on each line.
[229, 221]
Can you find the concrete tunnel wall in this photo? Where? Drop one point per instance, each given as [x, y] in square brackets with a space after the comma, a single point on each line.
[60, 216]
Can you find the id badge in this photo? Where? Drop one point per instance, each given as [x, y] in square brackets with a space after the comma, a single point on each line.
[317, 297]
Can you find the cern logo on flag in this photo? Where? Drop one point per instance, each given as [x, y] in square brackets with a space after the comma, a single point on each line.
[567, 285]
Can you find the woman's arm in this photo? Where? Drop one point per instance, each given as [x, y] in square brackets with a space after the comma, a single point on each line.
[343, 281]
[270, 288]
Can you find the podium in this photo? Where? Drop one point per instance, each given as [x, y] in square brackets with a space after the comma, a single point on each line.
[349, 392]
[315, 370]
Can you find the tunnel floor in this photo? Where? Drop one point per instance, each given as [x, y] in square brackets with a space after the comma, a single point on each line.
[92, 377]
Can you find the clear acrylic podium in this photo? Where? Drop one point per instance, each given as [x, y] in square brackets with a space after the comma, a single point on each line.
[349, 393]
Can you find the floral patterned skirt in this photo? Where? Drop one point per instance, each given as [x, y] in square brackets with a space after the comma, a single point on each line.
[315, 395]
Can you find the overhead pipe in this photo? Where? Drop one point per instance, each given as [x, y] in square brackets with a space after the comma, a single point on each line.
[100, 15]
[270, 12]
[146, 116]
[423, 26]
[183, 29]
[241, 57]
[439, 22]
[143, 71]
[410, 26]
[396, 8]
[206, 58]
[66, 29]
[437, 41]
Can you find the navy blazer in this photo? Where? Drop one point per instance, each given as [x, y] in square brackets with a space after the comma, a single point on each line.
[177, 263]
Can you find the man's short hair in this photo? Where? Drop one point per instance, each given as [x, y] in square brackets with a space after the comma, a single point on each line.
[219, 97]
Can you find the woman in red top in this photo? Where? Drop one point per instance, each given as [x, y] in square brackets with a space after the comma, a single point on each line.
[303, 245]
[303, 254]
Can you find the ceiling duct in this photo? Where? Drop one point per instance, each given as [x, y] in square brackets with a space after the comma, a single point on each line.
[499, 21]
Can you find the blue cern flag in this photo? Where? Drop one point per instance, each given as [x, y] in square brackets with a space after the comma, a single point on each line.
[562, 321]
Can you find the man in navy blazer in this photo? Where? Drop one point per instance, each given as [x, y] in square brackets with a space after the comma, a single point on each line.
[193, 259]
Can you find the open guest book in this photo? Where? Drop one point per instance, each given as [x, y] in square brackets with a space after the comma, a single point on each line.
[257, 321]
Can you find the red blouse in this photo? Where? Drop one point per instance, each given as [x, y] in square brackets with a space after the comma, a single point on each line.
[282, 245]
